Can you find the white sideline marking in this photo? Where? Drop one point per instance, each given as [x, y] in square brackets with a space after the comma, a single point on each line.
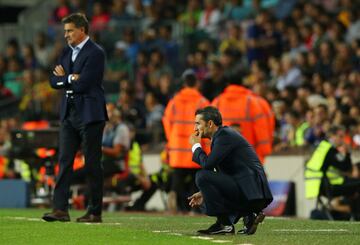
[175, 234]
[220, 241]
[22, 218]
[116, 223]
[311, 230]
[202, 237]
[277, 218]
[161, 231]
[40, 220]
[132, 217]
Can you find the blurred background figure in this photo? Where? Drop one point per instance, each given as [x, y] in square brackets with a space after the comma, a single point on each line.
[178, 125]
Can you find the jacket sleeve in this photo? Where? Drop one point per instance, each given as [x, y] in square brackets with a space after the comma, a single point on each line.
[261, 128]
[221, 149]
[59, 82]
[91, 73]
[167, 119]
[337, 160]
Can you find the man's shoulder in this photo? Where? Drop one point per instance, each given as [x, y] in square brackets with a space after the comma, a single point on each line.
[92, 46]
[226, 132]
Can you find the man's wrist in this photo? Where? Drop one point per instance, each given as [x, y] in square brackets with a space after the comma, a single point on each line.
[195, 146]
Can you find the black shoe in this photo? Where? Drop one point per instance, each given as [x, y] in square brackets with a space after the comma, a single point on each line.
[89, 218]
[251, 222]
[218, 229]
[56, 215]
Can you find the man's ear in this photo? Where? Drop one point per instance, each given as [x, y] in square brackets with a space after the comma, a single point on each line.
[211, 123]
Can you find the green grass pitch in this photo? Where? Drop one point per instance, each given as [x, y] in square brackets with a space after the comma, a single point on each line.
[24, 226]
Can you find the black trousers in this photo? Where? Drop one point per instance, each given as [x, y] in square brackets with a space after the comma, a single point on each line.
[348, 188]
[183, 183]
[222, 195]
[351, 189]
[74, 133]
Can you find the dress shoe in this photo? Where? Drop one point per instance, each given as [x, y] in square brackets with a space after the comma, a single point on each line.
[57, 215]
[251, 222]
[218, 229]
[89, 218]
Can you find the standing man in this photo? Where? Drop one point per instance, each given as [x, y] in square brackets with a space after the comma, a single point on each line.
[178, 125]
[253, 113]
[79, 74]
[238, 187]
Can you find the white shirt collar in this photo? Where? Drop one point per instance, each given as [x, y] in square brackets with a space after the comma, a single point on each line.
[80, 45]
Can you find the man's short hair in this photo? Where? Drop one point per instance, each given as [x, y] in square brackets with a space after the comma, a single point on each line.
[78, 19]
[210, 113]
[189, 78]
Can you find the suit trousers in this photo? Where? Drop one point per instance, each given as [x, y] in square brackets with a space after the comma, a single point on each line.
[73, 134]
[222, 196]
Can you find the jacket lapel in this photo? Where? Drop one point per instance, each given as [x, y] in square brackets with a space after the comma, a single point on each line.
[82, 52]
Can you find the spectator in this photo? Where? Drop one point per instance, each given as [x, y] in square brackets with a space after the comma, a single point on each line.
[137, 178]
[136, 8]
[237, 10]
[60, 11]
[254, 38]
[133, 46]
[191, 16]
[13, 78]
[29, 58]
[157, 67]
[42, 49]
[154, 113]
[234, 40]
[291, 75]
[119, 12]
[118, 66]
[133, 110]
[210, 18]
[215, 82]
[100, 17]
[141, 74]
[169, 46]
[353, 32]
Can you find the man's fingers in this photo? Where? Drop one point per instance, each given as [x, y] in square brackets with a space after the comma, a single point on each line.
[59, 70]
[192, 203]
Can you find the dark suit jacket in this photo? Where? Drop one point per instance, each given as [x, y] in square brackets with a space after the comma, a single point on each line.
[232, 155]
[87, 92]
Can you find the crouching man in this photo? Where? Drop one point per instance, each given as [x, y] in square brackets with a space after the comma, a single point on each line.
[232, 182]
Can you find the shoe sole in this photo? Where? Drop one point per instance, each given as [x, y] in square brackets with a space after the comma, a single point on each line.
[222, 232]
[217, 233]
[49, 219]
[260, 218]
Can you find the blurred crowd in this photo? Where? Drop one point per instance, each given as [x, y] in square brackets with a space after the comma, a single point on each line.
[302, 56]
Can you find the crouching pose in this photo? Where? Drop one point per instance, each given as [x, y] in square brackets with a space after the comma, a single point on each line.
[232, 182]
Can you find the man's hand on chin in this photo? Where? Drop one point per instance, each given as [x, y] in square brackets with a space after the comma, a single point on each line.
[195, 138]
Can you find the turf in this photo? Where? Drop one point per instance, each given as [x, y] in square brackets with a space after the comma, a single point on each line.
[23, 226]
